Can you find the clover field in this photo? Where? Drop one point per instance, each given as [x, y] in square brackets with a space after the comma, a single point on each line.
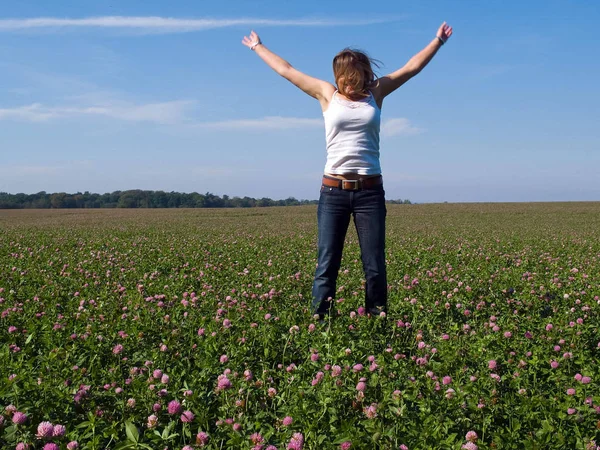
[180, 329]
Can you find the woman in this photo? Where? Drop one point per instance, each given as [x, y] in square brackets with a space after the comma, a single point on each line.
[352, 182]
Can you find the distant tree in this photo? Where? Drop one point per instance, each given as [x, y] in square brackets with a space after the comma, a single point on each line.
[159, 199]
[58, 200]
[7, 201]
[212, 201]
[174, 200]
[199, 200]
[128, 199]
[290, 201]
[248, 202]
[399, 202]
[264, 202]
[137, 198]
[39, 201]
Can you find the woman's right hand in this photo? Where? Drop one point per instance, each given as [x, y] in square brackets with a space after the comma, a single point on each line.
[251, 40]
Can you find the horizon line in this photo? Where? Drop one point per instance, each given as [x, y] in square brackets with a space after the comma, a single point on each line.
[440, 202]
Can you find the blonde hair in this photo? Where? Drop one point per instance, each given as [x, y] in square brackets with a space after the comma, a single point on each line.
[353, 72]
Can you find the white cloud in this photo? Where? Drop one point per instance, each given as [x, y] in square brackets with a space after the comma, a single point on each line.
[390, 127]
[174, 25]
[176, 113]
[187, 170]
[399, 127]
[30, 113]
[167, 113]
[161, 113]
[268, 123]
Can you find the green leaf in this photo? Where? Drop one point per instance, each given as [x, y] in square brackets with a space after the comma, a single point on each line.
[516, 425]
[132, 432]
[125, 445]
[450, 439]
[11, 432]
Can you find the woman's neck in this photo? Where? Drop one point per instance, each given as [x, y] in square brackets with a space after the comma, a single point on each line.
[355, 98]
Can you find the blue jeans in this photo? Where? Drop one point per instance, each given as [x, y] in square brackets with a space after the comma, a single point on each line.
[333, 215]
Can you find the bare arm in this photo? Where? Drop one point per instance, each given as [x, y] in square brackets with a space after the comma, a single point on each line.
[319, 89]
[394, 80]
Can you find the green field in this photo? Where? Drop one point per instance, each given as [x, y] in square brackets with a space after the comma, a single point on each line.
[493, 328]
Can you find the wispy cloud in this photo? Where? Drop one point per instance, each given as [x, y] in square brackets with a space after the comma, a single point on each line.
[30, 113]
[161, 113]
[176, 25]
[178, 113]
[167, 113]
[399, 127]
[390, 127]
[269, 123]
[191, 170]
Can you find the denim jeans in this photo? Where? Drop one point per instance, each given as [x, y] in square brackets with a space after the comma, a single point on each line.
[333, 216]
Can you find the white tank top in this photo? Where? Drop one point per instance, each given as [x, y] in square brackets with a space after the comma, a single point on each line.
[352, 136]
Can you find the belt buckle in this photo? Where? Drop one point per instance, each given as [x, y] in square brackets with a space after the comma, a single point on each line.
[354, 188]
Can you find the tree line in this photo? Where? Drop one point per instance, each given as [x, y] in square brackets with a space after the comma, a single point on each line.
[142, 199]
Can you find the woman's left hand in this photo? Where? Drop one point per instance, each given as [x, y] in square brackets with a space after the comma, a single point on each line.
[444, 32]
[251, 40]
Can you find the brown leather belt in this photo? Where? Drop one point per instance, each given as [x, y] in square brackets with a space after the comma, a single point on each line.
[353, 185]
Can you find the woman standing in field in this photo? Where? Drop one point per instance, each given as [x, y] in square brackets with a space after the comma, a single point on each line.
[352, 182]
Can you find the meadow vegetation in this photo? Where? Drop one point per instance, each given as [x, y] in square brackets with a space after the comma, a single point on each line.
[190, 328]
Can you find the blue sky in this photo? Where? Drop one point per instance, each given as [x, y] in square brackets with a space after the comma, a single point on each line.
[105, 96]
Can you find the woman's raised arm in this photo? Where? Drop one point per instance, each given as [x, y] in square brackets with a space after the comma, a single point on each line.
[394, 80]
[319, 89]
